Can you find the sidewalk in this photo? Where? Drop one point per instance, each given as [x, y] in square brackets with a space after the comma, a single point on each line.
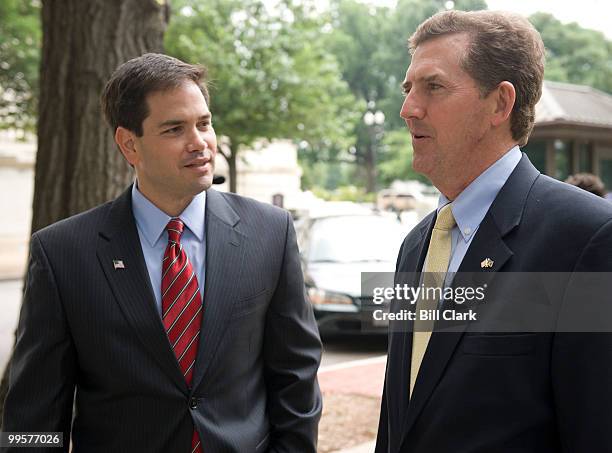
[17, 186]
[351, 405]
[363, 448]
[358, 377]
[13, 256]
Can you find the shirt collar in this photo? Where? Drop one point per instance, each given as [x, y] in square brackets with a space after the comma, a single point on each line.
[470, 207]
[152, 221]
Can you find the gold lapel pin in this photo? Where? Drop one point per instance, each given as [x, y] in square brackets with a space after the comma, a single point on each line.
[118, 264]
[487, 263]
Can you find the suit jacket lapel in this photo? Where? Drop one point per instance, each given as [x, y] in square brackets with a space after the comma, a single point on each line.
[411, 262]
[224, 258]
[414, 250]
[119, 240]
[504, 215]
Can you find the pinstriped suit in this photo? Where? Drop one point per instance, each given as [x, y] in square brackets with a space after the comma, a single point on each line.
[88, 326]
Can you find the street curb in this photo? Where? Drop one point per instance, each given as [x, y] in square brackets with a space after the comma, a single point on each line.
[352, 364]
[363, 377]
[368, 447]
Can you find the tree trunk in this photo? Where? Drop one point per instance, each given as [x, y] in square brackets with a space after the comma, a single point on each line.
[231, 163]
[78, 165]
[370, 168]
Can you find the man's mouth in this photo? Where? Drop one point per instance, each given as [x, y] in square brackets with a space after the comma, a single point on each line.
[197, 163]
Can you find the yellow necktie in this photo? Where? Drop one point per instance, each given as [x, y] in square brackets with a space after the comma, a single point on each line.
[436, 265]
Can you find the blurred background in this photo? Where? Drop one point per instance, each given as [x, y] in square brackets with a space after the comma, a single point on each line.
[305, 97]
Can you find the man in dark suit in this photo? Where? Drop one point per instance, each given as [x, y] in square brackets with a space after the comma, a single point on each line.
[470, 95]
[173, 318]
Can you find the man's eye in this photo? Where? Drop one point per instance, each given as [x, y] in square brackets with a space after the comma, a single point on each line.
[204, 125]
[434, 86]
[173, 130]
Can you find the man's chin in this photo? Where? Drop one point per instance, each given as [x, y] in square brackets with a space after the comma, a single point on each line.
[422, 166]
[206, 184]
[202, 184]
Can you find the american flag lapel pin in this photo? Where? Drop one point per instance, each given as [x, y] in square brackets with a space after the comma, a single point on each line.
[118, 264]
[487, 263]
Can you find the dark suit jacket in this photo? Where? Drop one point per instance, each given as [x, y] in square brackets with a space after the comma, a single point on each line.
[513, 392]
[88, 326]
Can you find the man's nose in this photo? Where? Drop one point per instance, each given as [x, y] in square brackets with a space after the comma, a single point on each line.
[196, 140]
[412, 108]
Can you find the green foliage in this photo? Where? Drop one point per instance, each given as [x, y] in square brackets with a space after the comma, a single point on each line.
[345, 193]
[20, 42]
[356, 40]
[326, 174]
[393, 54]
[293, 73]
[395, 162]
[371, 46]
[270, 74]
[575, 54]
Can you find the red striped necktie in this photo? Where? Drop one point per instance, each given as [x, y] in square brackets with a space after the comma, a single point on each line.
[181, 306]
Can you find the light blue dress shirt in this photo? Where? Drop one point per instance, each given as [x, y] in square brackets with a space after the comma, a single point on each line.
[151, 224]
[471, 206]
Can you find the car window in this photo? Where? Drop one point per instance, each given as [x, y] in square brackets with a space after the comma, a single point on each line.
[354, 239]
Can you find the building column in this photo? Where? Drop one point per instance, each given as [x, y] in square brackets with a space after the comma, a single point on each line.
[551, 158]
[575, 157]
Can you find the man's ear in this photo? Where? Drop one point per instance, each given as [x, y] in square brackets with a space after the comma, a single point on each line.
[125, 139]
[504, 98]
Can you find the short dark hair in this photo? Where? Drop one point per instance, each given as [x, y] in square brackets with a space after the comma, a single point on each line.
[124, 98]
[503, 47]
[589, 182]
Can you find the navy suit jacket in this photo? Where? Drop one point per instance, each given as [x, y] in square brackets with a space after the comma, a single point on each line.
[89, 327]
[533, 392]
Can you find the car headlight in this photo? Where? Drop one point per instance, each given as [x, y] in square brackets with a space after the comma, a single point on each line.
[319, 296]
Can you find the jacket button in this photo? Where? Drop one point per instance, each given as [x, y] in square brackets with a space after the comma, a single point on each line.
[193, 403]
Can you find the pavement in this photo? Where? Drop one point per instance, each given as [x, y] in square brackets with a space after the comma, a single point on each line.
[363, 377]
[10, 295]
[358, 377]
[363, 448]
[17, 189]
[13, 256]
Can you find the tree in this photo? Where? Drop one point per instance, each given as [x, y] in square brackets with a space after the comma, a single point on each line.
[20, 49]
[575, 54]
[395, 155]
[355, 41]
[396, 161]
[270, 74]
[77, 164]
[371, 46]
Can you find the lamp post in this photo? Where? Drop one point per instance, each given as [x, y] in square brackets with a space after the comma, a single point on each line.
[374, 121]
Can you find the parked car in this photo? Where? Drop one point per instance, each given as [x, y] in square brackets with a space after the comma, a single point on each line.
[335, 250]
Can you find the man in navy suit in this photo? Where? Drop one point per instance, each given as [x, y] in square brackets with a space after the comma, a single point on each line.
[173, 318]
[470, 96]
